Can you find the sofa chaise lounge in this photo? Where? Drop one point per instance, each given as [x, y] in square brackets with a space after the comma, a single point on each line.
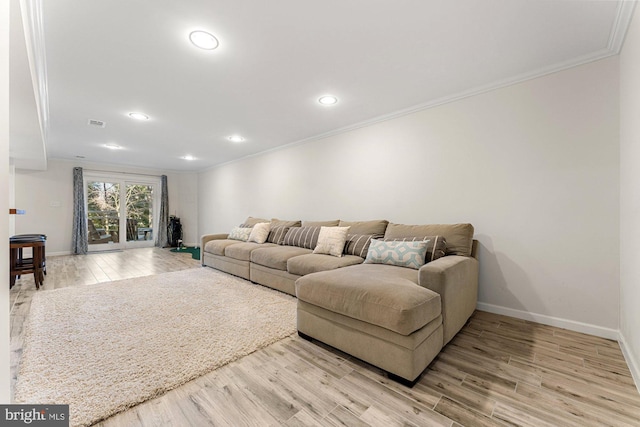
[394, 317]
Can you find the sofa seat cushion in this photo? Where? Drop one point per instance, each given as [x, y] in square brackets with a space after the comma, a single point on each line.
[217, 247]
[382, 295]
[312, 263]
[277, 256]
[242, 251]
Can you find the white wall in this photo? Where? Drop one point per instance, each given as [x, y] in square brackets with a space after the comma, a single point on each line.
[35, 190]
[4, 201]
[534, 167]
[12, 197]
[630, 196]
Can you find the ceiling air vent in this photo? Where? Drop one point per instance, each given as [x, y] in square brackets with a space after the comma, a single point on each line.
[98, 123]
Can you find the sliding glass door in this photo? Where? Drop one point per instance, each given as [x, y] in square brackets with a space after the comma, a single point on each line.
[121, 211]
[103, 213]
[139, 212]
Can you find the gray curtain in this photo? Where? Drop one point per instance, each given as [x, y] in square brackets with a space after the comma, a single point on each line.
[161, 236]
[79, 240]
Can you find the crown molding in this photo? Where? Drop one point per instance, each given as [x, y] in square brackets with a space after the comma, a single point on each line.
[32, 22]
[621, 25]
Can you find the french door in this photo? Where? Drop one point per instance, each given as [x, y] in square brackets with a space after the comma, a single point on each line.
[122, 211]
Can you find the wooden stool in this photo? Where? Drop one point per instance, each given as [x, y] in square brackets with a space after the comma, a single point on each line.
[32, 236]
[19, 265]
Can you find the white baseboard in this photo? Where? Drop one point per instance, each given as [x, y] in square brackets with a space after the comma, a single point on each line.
[58, 253]
[572, 325]
[69, 252]
[631, 361]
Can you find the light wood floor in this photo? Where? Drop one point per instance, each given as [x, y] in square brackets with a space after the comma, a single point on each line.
[497, 371]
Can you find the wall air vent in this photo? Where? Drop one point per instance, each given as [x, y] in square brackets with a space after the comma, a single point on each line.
[97, 123]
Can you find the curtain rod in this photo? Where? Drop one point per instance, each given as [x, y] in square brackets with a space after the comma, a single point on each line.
[124, 173]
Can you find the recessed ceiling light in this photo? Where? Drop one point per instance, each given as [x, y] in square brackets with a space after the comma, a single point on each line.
[113, 146]
[139, 116]
[328, 100]
[188, 157]
[235, 138]
[203, 40]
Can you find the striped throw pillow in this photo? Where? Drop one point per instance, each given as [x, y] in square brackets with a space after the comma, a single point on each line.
[358, 244]
[277, 234]
[303, 237]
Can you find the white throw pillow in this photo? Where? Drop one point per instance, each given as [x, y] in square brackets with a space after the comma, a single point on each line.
[260, 232]
[331, 241]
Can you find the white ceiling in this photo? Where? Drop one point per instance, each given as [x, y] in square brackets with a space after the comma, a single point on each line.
[106, 58]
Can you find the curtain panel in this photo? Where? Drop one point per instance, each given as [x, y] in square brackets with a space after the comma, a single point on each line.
[80, 239]
[162, 239]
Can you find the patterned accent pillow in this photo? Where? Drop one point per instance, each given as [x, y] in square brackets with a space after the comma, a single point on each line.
[437, 247]
[240, 233]
[260, 232]
[400, 254]
[358, 244]
[331, 241]
[303, 237]
[277, 234]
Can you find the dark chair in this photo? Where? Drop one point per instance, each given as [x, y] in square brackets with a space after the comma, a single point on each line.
[96, 238]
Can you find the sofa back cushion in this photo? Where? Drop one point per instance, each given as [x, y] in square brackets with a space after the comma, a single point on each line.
[459, 237]
[302, 237]
[332, 223]
[436, 246]
[251, 221]
[366, 227]
[275, 222]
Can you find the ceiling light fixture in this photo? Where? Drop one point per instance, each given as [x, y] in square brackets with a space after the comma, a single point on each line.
[112, 146]
[235, 138]
[188, 157]
[203, 40]
[328, 100]
[139, 116]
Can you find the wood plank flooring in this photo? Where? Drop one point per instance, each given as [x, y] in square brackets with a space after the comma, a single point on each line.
[498, 371]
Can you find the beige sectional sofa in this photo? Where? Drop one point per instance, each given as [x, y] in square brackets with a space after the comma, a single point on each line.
[394, 317]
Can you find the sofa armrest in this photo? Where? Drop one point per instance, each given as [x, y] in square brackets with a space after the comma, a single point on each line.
[455, 278]
[206, 238]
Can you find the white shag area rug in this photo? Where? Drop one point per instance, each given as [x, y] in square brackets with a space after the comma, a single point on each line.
[107, 347]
